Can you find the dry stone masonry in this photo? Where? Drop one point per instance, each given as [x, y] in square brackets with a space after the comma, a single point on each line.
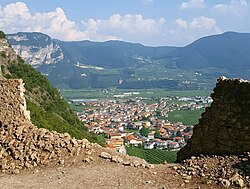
[23, 145]
[224, 128]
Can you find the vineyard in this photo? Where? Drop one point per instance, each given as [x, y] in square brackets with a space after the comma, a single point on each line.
[187, 117]
[153, 156]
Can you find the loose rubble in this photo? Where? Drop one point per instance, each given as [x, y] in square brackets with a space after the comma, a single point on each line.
[227, 171]
[125, 160]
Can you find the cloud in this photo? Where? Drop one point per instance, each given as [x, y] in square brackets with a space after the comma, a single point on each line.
[130, 24]
[191, 4]
[128, 27]
[147, 1]
[188, 31]
[237, 7]
[17, 17]
[199, 23]
[182, 23]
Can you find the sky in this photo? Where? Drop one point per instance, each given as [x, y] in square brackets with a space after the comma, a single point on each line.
[149, 22]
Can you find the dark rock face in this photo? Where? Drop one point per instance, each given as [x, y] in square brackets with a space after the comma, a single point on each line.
[224, 127]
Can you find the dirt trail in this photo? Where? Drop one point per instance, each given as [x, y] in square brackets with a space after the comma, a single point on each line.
[99, 174]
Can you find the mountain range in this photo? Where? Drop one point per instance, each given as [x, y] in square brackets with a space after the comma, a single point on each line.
[87, 64]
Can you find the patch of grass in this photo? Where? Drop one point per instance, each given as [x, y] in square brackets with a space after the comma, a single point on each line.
[132, 130]
[144, 93]
[134, 151]
[77, 108]
[187, 117]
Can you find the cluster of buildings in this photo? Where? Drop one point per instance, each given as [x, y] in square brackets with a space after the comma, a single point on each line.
[121, 120]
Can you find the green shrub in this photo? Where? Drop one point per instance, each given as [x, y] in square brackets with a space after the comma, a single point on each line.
[2, 35]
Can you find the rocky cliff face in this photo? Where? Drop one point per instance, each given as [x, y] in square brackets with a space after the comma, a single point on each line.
[224, 127]
[36, 48]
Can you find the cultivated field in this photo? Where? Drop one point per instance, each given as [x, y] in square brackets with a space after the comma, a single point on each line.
[153, 156]
[187, 117]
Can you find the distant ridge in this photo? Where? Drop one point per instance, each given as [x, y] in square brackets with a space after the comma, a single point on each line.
[211, 56]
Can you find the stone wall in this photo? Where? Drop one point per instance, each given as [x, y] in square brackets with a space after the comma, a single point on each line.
[23, 145]
[13, 103]
[225, 126]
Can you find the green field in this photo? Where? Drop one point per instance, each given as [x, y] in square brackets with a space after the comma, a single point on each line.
[144, 93]
[152, 156]
[187, 117]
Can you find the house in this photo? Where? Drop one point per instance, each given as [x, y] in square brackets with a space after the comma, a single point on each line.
[173, 145]
[161, 144]
[115, 142]
[110, 146]
[178, 139]
[131, 140]
[151, 135]
[149, 145]
[135, 142]
[114, 135]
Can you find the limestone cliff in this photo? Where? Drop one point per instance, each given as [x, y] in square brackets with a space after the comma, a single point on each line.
[42, 50]
[224, 127]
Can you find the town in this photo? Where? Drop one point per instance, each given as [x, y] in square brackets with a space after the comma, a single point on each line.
[126, 121]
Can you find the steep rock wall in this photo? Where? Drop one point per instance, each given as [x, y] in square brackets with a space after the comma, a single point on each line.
[225, 126]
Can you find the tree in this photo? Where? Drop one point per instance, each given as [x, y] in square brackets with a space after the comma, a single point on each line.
[157, 134]
[189, 128]
[178, 133]
[144, 131]
[2, 35]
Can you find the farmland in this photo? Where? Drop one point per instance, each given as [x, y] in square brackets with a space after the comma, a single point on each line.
[153, 156]
[187, 117]
[144, 93]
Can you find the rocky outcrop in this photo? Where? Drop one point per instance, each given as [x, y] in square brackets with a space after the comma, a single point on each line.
[36, 48]
[224, 128]
[5, 50]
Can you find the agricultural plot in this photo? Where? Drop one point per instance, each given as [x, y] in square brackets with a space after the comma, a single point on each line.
[153, 156]
[144, 93]
[187, 117]
[133, 151]
[159, 156]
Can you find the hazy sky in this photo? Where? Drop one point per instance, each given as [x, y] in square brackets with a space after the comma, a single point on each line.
[150, 22]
